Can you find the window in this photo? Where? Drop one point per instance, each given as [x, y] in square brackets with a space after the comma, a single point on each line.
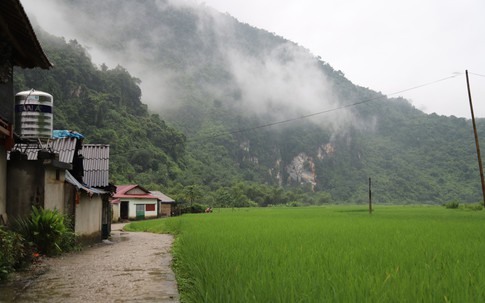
[150, 207]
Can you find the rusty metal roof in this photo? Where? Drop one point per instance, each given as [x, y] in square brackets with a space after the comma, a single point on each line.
[96, 164]
[65, 147]
[15, 27]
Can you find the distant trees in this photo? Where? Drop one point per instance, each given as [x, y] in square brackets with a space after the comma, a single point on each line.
[246, 194]
[192, 193]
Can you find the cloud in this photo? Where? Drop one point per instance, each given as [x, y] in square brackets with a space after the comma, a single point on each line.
[277, 83]
[283, 83]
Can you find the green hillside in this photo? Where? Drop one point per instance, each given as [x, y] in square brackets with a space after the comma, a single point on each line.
[234, 97]
[104, 105]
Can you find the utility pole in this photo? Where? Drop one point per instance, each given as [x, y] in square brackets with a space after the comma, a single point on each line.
[370, 197]
[476, 137]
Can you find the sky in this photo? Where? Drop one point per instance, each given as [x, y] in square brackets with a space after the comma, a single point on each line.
[387, 45]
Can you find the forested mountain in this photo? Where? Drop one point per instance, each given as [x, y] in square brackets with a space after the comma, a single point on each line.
[104, 105]
[254, 118]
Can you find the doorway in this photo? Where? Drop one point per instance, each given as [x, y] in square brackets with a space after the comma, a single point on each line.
[140, 211]
[124, 210]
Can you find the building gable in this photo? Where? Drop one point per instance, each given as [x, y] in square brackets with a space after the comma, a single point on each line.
[136, 191]
[132, 191]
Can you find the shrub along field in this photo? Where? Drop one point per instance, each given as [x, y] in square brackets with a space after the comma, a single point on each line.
[328, 254]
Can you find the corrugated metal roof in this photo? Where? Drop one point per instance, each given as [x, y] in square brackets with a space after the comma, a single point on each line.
[122, 189]
[15, 27]
[122, 192]
[96, 164]
[162, 197]
[65, 147]
[70, 179]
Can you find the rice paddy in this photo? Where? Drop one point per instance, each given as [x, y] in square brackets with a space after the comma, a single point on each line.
[328, 254]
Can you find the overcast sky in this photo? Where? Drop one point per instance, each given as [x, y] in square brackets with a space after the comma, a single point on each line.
[386, 45]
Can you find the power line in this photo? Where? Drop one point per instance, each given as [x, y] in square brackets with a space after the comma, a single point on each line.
[476, 74]
[324, 111]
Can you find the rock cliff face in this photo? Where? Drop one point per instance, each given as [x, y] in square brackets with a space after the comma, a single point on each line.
[302, 167]
[302, 170]
[325, 150]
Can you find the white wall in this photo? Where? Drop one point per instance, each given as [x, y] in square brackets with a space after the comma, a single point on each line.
[134, 202]
[88, 216]
[115, 215]
[54, 189]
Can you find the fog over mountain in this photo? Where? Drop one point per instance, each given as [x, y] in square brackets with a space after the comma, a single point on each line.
[256, 107]
[278, 82]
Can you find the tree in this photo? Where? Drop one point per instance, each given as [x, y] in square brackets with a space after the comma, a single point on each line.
[192, 193]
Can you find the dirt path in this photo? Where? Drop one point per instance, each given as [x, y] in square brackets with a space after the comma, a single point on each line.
[134, 267]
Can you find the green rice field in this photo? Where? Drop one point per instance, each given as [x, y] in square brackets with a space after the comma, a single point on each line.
[328, 254]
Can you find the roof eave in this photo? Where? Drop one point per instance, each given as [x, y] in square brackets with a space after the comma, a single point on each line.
[27, 51]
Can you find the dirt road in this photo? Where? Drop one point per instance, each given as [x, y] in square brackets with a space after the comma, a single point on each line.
[133, 267]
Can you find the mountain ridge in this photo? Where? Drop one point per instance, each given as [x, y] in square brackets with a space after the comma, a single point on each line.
[221, 84]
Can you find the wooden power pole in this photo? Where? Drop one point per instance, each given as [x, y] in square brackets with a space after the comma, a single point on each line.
[370, 196]
[476, 137]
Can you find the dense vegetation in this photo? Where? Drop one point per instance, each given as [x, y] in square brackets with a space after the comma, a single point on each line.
[329, 254]
[44, 232]
[213, 141]
[105, 106]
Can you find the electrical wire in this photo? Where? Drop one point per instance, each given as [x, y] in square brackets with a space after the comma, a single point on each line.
[324, 111]
[477, 74]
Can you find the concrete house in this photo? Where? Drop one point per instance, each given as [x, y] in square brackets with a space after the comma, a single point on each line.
[96, 176]
[166, 205]
[36, 176]
[18, 47]
[65, 175]
[133, 202]
[87, 196]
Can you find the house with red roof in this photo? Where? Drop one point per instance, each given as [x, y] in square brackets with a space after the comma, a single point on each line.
[133, 202]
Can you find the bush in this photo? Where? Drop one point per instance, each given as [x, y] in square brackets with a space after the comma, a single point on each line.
[195, 208]
[452, 204]
[68, 239]
[475, 206]
[14, 253]
[46, 231]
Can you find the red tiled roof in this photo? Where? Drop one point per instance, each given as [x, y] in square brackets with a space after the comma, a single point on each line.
[122, 192]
